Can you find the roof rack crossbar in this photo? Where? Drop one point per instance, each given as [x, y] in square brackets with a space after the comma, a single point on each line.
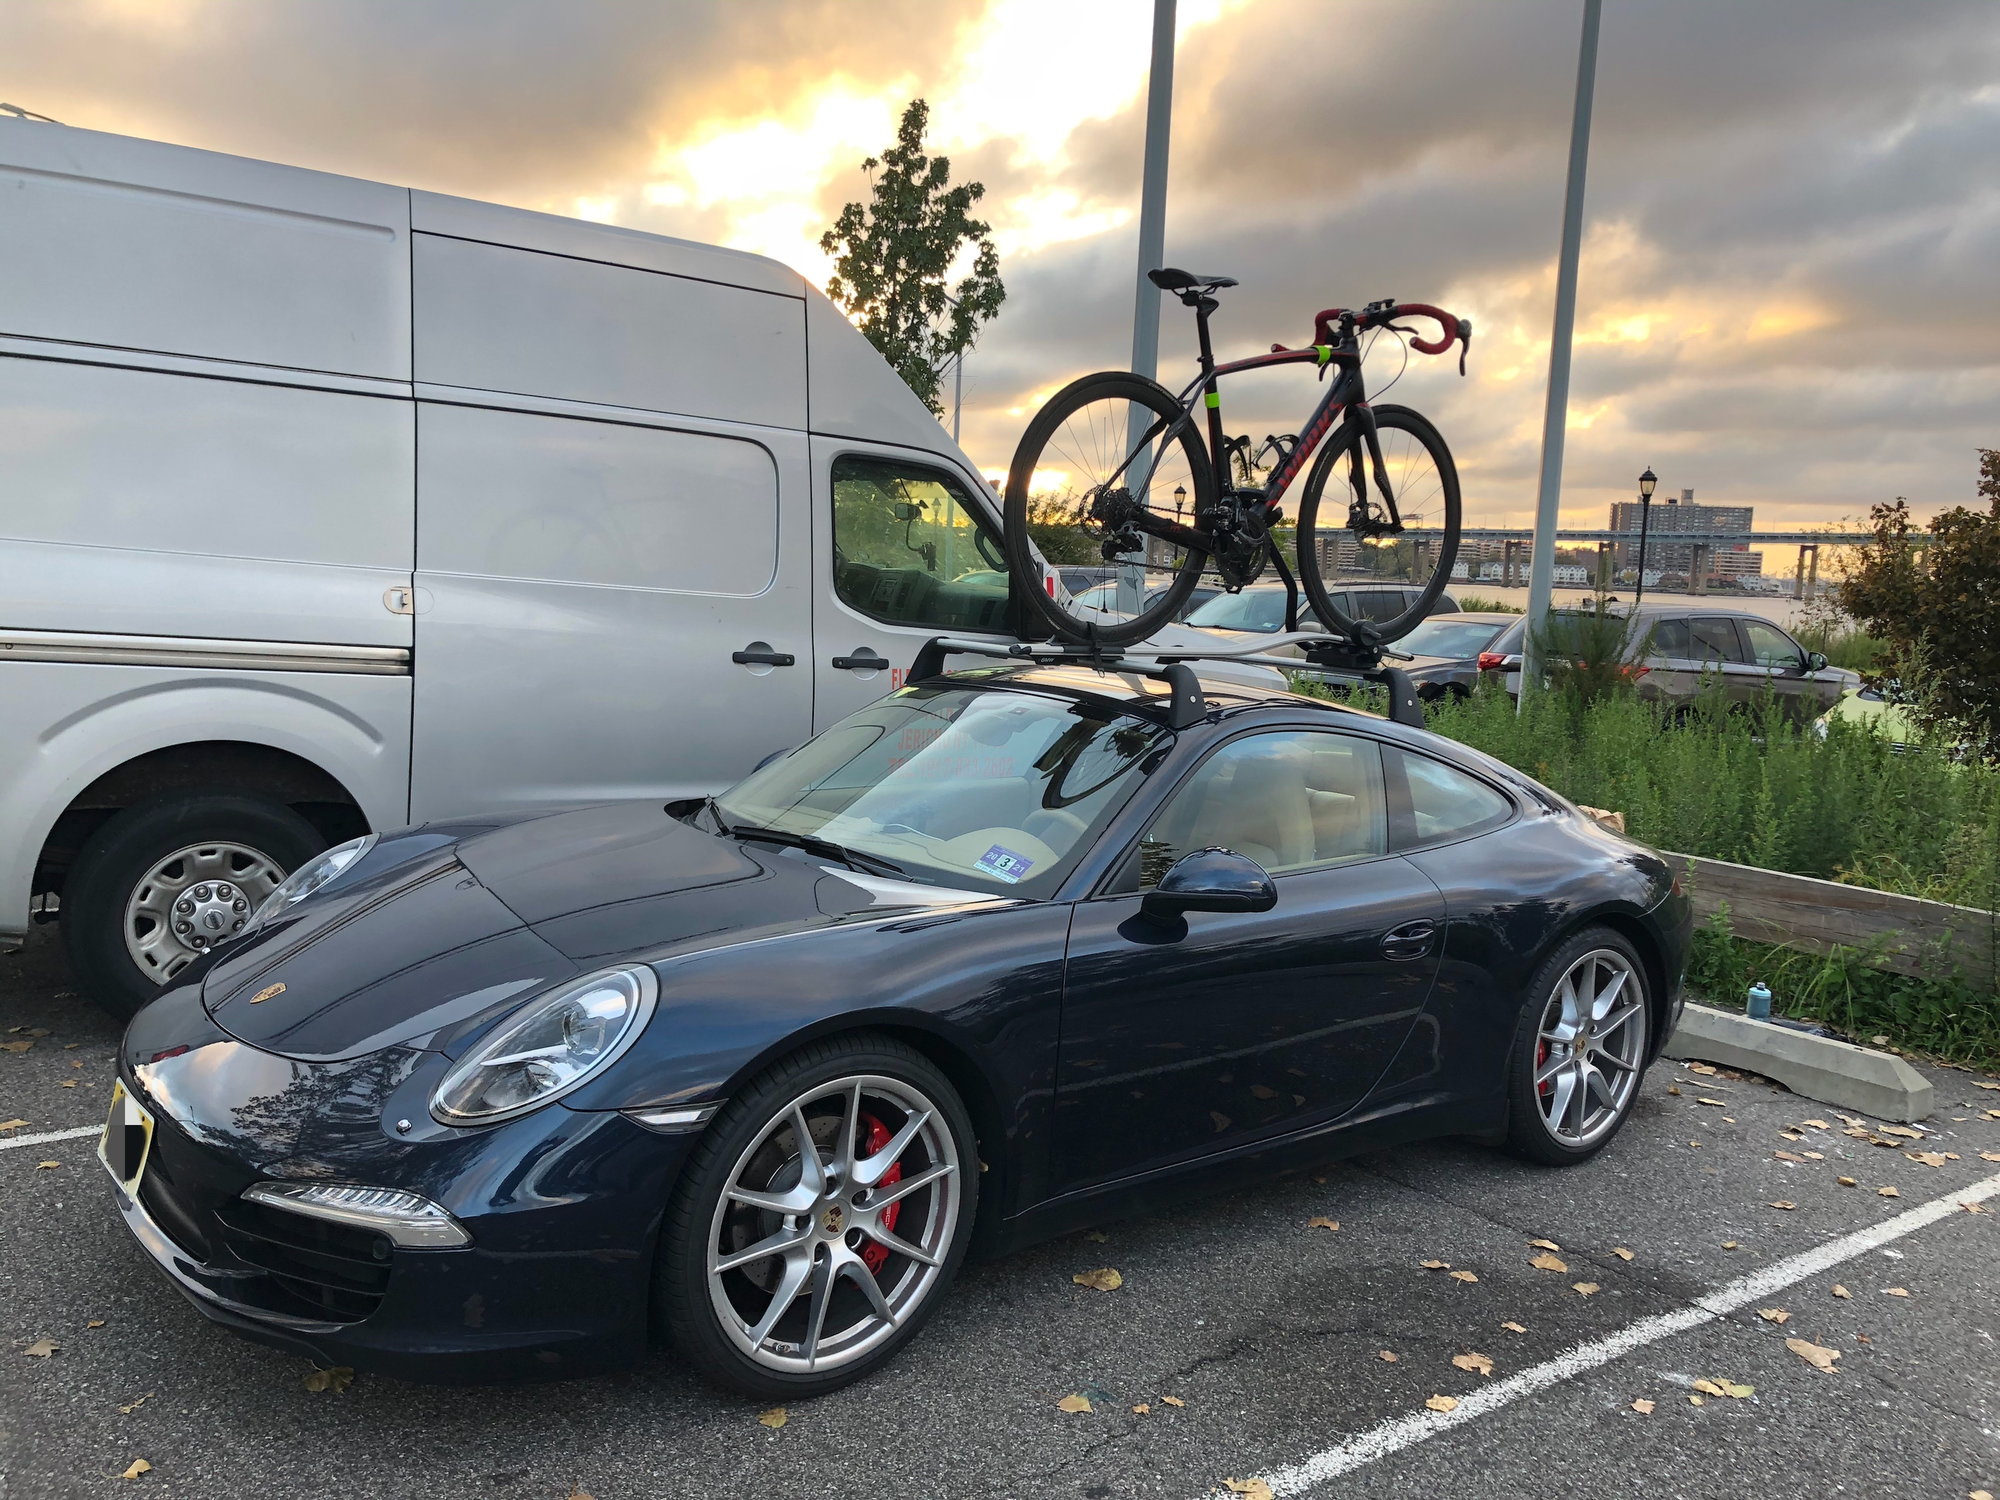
[1326, 657]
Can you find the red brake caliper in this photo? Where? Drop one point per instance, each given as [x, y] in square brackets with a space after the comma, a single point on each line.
[874, 1136]
[1542, 1056]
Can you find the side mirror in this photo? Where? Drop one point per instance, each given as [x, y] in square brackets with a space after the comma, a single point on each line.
[1815, 662]
[1211, 880]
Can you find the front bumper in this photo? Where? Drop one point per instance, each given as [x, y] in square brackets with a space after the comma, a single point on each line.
[563, 1207]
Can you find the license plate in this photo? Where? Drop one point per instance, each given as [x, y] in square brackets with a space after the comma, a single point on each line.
[127, 1141]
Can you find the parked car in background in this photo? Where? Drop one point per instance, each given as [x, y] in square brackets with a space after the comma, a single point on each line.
[1674, 650]
[1445, 649]
[1260, 609]
[1876, 707]
[999, 956]
[1101, 596]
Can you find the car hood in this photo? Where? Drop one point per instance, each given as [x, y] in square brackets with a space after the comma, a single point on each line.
[424, 948]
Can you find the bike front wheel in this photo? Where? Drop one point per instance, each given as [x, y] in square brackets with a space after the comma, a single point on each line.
[1423, 481]
[1106, 456]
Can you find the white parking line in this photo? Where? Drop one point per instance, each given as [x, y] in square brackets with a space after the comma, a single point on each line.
[1393, 1436]
[9, 1142]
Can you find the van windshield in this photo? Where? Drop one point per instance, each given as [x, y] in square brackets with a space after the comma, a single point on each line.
[998, 790]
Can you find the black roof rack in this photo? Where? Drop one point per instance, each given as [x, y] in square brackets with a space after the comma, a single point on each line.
[1325, 656]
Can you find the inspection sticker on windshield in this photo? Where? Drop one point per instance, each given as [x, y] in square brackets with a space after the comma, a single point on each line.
[1004, 864]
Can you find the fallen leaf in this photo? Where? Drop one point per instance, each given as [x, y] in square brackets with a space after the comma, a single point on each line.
[1978, 1085]
[777, 1416]
[1928, 1158]
[15, 1046]
[1989, 1156]
[1621, 1252]
[1697, 1401]
[1221, 1120]
[1514, 1327]
[1071, 1403]
[337, 1379]
[95, 1323]
[69, 1083]
[1814, 1124]
[1256, 1489]
[1702, 1068]
[1818, 1356]
[1730, 1245]
[1098, 1237]
[139, 1466]
[1904, 1131]
[1878, 1041]
[1695, 1144]
[1143, 1408]
[1544, 1245]
[1435, 1265]
[12, 1124]
[1736, 1390]
[1850, 1120]
[137, 1402]
[1584, 1288]
[1784, 1203]
[1973, 1208]
[1262, 1091]
[1173, 1401]
[1980, 1494]
[1318, 1221]
[1700, 1100]
[1709, 1388]
[43, 1166]
[1549, 1263]
[1895, 1291]
[1673, 1088]
[1842, 1292]
[1385, 1356]
[1477, 1362]
[41, 1348]
[1774, 1315]
[1788, 1156]
[1463, 1276]
[1104, 1279]
[1887, 1192]
[1643, 1407]
[1442, 1403]
[1791, 1135]
[1730, 1120]
[1847, 1182]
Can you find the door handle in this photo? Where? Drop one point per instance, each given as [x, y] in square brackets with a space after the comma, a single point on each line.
[764, 658]
[1412, 940]
[863, 661]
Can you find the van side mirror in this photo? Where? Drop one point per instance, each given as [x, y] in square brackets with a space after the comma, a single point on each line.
[1815, 662]
[1211, 880]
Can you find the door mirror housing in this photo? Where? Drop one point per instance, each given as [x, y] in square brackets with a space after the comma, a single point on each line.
[1816, 662]
[1211, 880]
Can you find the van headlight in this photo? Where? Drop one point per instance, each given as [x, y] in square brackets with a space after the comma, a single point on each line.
[550, 1046]
[315, 874]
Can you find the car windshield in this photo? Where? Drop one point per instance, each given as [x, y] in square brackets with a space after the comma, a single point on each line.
[1453, 638]
[1261, 610]
[988, 789]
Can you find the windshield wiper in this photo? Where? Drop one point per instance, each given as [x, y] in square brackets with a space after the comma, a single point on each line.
[872, 864]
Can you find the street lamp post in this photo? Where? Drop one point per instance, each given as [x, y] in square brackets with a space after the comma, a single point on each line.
[1646, 482]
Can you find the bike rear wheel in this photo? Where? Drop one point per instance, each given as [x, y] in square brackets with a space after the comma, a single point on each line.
[1077, 486]
[1423, 480]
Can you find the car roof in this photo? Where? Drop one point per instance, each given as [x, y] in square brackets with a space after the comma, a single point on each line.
[1130, 690]
[1479, 616]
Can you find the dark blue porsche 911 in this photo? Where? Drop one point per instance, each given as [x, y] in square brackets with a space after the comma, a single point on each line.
[1007, 952]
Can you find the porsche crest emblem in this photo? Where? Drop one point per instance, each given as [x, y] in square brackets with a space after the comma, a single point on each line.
[266, 993]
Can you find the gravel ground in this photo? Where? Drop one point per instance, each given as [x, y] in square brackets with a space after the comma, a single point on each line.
[1269, 1331]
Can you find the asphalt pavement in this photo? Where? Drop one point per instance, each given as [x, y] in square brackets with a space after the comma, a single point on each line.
[1246, 1343]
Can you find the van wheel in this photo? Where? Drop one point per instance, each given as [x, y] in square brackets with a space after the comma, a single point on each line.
[163, 883]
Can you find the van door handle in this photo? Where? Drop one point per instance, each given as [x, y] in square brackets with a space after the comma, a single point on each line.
[764, 658]
[1412, 940]
[863, 661]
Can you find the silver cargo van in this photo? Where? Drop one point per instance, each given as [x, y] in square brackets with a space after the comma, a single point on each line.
[327, 505]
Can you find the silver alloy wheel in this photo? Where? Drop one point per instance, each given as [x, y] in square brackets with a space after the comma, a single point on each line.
[793, 1233]
[1589, 1047]
[193, 900]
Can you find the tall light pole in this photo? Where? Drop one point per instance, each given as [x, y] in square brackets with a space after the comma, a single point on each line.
[1555, 415]
[1646, 482]
[1152, 250]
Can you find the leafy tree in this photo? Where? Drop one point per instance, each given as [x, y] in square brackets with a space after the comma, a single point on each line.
[1052, 524]
[1939, 611]
[896, 252]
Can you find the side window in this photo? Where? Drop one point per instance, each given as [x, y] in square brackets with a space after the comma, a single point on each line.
[1670, 638]
[1446, 803]
[1381, 604]
[1289, 800]
[1715, 640]
[909, 549]
[1770, 646]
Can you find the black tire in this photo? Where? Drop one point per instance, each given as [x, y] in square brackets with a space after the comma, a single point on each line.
[1530, 1136]
[1112, 392]
[1436, 484]
[120, 854]
[684, 1311]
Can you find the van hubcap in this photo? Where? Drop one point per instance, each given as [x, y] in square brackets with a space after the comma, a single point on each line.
[193, 900]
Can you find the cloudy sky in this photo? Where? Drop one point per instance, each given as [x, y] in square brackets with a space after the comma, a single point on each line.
[1791, 278]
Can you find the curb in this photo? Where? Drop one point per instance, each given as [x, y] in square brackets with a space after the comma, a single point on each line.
[1874, 1083]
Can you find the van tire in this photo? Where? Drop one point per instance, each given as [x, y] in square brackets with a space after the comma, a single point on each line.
[126, 849]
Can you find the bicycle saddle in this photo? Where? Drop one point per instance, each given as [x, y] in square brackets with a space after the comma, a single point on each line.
[1168, 279]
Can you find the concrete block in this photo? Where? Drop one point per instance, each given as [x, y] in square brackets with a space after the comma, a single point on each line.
[1868, 1082]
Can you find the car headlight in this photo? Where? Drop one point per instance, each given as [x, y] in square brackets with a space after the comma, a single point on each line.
[315, 874]
[548, 1047]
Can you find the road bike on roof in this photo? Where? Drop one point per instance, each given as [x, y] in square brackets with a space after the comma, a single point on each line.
[1123, 459]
